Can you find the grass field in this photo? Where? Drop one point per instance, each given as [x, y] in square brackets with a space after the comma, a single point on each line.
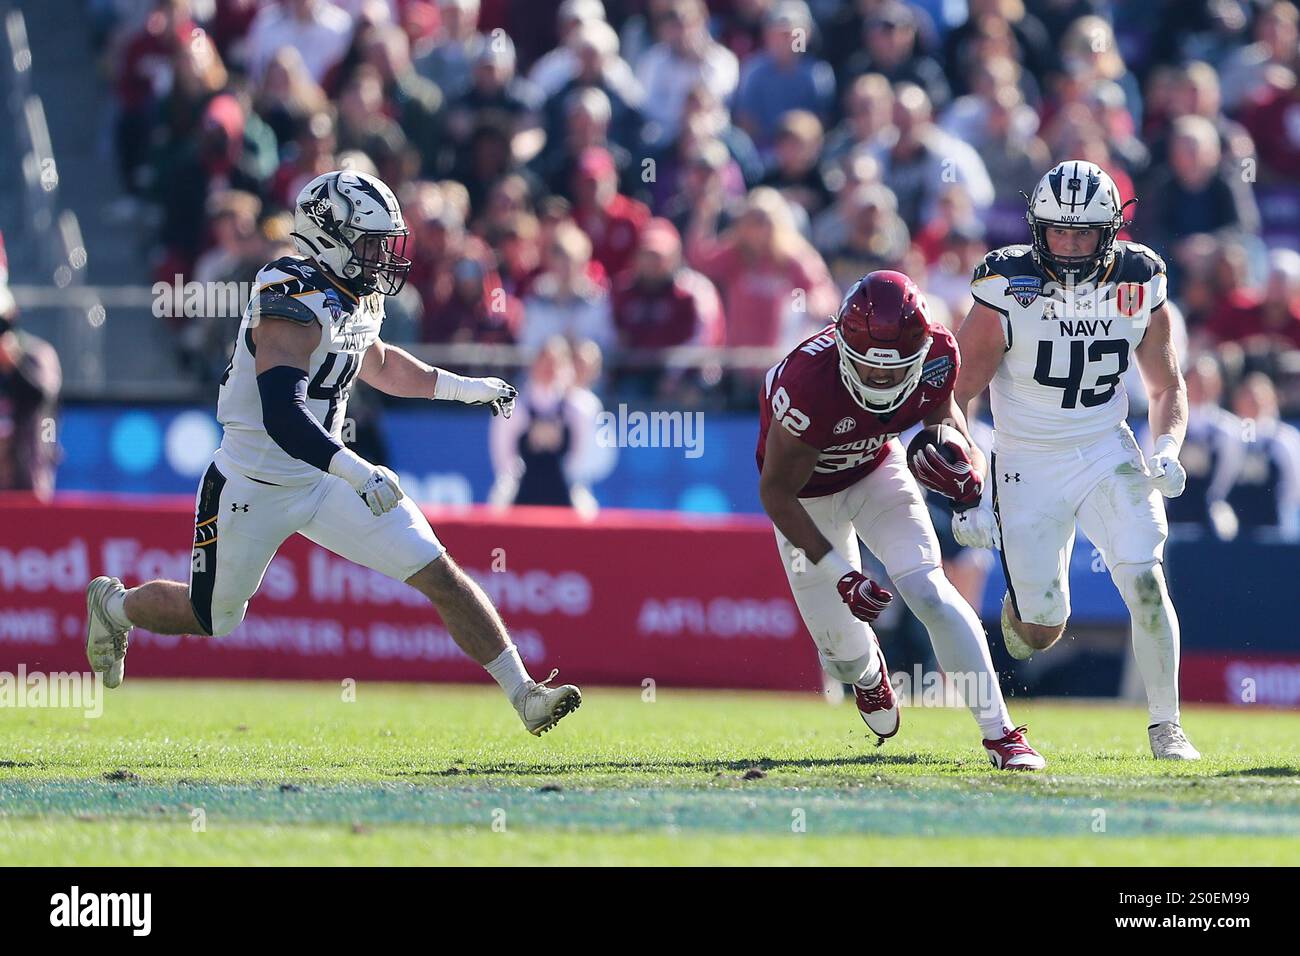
[249, 773]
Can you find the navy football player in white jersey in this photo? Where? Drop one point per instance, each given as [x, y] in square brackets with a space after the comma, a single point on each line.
[1054, 327]
[310, 329]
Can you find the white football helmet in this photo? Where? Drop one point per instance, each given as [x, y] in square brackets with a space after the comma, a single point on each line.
[1075, 195]
[351, 224]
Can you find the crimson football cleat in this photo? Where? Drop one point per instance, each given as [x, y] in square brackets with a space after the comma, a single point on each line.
[878, 706]
[1013, 752]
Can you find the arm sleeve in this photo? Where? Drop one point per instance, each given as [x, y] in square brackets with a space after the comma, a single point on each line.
[287, 420]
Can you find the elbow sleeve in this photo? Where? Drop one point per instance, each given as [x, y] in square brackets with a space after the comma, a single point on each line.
[287, 420]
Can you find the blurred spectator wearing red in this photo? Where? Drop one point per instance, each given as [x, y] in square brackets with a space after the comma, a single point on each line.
[659, 303]
[611, 220]
[774, 285]
[30, 379]
[478, 309]
[1270, 317]
[144, 74]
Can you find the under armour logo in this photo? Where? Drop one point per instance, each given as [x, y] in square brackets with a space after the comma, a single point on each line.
[237, 507]
[1005, 477]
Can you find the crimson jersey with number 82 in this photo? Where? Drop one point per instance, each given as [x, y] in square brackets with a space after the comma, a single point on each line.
[804, 395]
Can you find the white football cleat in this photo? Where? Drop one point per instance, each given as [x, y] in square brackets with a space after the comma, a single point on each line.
[542, 707]
[105, 641]
[1015, 644]
[1168, 742]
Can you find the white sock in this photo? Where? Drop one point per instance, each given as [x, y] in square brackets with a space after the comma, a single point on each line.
[1155, 635]
[869, 681]
[115, 608]
[509, 671]
[959, 644]
[872, 675]
[863, 671]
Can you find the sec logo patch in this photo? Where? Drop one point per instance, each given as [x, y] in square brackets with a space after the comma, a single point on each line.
[845, 425]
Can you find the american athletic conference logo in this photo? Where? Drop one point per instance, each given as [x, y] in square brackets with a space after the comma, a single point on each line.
[845, 425]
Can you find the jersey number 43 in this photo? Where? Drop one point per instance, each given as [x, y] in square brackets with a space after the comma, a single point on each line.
[1104, 360]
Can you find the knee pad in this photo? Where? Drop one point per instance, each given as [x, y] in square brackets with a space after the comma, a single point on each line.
[1142, 586]
[929, 594]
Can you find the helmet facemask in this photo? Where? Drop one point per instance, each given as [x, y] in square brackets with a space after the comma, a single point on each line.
[1074, 269]
[1075, 195]
[351, 224]
[379, 262]
[880, 400]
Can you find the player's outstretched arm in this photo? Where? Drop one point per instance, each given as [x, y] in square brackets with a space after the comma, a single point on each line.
[396, 371]
[982, 343]
[284, 348]
[1167, 396]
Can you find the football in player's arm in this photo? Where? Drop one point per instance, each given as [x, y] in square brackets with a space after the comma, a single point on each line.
[789, 462]
[832, 479]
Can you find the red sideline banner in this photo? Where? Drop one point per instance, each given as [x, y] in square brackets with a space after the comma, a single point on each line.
[620, 599]
[1244, 680]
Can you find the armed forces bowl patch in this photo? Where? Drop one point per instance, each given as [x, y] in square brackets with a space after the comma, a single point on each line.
[1024, 289]
[334, 303]
[935, 372]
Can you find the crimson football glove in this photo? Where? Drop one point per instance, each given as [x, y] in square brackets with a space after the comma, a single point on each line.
[952, 479]
[866, 599]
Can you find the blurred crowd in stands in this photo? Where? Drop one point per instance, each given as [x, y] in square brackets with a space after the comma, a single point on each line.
[644, 174]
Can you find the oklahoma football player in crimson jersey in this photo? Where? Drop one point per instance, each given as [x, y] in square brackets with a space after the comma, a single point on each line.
[832, 471]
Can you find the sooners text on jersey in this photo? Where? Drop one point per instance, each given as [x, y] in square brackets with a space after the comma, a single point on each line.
[804, 395]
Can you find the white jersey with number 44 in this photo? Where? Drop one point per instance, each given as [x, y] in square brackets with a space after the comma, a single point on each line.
[1067, 348]
[296, 289]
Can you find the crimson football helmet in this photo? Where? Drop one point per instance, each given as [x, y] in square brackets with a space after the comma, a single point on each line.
[883, 323]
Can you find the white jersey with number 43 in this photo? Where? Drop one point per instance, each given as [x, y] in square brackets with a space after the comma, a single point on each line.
[295, 288]
[1067, 349]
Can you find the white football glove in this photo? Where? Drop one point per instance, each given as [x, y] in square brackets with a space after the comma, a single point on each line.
[976, 528]
[376, 484]
[496, 393]
[1167, 474]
